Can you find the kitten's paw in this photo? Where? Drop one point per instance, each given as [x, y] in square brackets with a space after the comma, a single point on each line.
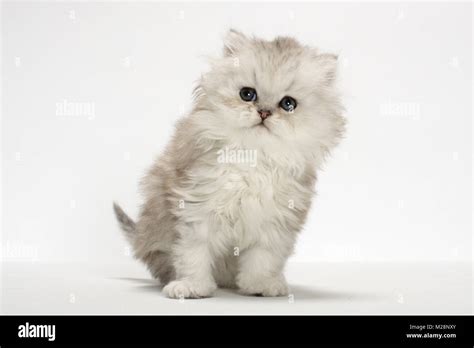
[189, 289]
[270, 287]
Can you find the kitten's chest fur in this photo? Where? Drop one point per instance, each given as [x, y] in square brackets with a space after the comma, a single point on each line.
[242, 204]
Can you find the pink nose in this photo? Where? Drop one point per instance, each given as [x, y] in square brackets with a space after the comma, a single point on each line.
[264, 114]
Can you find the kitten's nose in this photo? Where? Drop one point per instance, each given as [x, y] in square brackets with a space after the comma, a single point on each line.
[264, 114]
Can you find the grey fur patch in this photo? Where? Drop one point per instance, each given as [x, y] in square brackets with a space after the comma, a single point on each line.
[160, 266]
[126, 223]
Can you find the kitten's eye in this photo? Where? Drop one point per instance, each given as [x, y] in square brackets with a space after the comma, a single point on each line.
[248, 94]
[288, 104]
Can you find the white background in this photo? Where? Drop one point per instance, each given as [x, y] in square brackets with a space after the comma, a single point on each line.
[397, 189]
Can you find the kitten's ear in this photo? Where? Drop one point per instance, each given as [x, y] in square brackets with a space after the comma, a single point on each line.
[233, 42]
[328, 65]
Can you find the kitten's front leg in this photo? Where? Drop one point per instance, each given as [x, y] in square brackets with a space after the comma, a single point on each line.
[192, 261]
[261, 273]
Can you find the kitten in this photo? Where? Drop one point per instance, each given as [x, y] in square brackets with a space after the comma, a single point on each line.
[214, 216]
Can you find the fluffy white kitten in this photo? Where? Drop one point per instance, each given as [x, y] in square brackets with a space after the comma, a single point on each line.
[211, 216]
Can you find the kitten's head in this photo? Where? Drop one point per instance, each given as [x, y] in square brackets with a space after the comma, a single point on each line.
[277, 96]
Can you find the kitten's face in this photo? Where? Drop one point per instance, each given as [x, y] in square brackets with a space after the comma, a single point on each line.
[272, 93]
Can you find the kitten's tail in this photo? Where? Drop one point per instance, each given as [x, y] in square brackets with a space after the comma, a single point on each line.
[127, 224]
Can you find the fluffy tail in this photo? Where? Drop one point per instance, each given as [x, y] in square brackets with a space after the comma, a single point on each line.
[127, 224]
